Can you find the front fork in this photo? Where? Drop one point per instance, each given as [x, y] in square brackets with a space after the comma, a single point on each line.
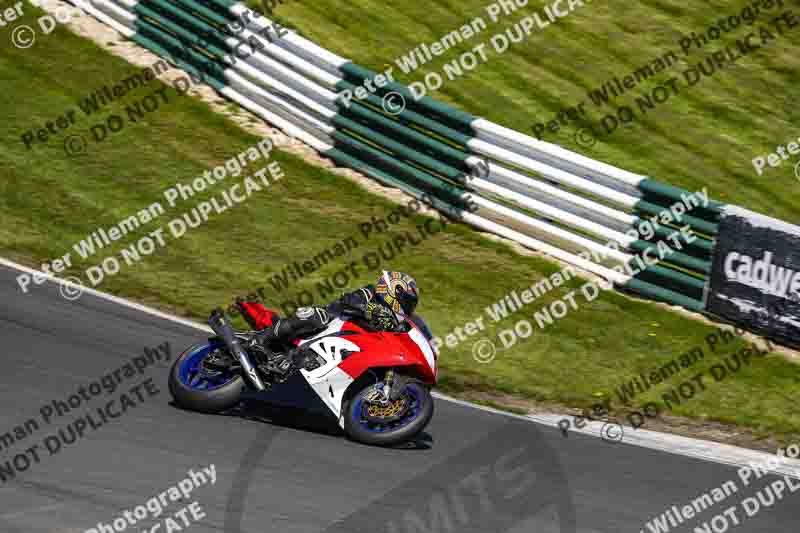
[389, 391]
[388, 381]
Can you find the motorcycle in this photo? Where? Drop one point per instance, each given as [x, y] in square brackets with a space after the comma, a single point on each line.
[376, 384]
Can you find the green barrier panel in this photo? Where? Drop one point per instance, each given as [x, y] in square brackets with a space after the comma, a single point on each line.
[664, 295]
[145, 12]
[676, 257]
[227, 53]
[158, 49]
[639, 286]
[700, 212]
[451, 192]
[354, 162]
[682, 259]
[413, 117]
[642, 287]
[702, 244]
[161, 32]
[410, 135]
[401, 149]
[448, 114]
[645, 288]
[696, 212]
[185, 16]
[180, 49]
[224, 5]
[671, 275]
[652, 186]
[703, 226]
[671, 285]
[197, 9]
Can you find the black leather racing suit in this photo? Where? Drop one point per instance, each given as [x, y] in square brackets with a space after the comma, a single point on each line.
[360, 305]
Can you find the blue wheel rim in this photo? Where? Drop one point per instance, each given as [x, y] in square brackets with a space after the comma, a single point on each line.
[414, 412]
[192, 374]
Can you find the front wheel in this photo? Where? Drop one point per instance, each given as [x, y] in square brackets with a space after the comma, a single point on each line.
[372, 422]
[196, 384]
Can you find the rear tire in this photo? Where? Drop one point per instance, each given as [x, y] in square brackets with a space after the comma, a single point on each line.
[357, 430]
[210, 400]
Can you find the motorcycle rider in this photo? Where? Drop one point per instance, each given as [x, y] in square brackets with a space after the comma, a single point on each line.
[382, 306]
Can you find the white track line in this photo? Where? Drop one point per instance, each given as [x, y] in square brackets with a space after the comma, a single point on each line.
[105, 296]
[704, 450]
[688, 447]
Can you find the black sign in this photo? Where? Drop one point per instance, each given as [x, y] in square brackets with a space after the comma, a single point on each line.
[755, 277]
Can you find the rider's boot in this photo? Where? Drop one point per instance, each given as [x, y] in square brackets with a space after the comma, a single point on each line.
[276, 359]
[294, 359]
[282, 331]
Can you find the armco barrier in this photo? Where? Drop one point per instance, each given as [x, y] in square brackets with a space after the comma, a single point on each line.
[533, 192]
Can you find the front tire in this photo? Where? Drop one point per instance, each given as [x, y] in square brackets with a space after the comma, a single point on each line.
[194, 389]
[363, 427]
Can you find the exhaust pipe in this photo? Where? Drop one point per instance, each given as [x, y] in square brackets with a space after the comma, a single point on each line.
[222, 327]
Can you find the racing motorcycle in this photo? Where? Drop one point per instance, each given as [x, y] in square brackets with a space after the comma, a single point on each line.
[376, 384]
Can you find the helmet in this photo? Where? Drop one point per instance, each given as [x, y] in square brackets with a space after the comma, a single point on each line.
[398, 291]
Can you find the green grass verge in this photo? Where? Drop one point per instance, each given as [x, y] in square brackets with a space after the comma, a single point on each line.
[49, 201]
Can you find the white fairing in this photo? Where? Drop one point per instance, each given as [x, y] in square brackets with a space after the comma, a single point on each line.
[329, 382]
[330, 349]
[419, 338]
[330, 388]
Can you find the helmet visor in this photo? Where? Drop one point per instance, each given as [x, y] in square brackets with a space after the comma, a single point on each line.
[408, 299]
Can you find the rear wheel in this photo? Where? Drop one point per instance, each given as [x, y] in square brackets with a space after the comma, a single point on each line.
[198, 384]
[370, 421]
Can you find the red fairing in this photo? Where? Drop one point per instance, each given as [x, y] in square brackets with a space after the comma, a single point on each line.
[383, 350]
[352, 326]
[258, 316]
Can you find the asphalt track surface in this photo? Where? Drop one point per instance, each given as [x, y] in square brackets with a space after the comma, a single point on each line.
[474, 471]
